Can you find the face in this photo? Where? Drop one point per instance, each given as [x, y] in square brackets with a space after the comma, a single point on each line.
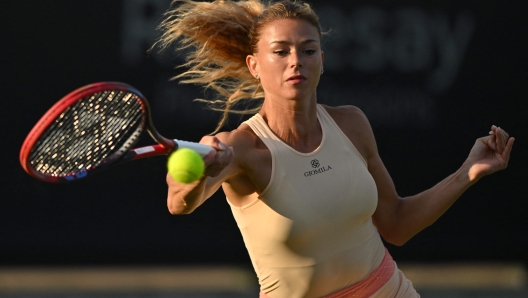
[289, 60]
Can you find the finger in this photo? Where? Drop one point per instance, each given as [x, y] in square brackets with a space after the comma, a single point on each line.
[221, 146]
[225, 157]
[497, 130]
[221, 160]
[502, 139]
[499, 141]
[505, 135]
[209, 158]
[493, 128]
[491, 141]
[507, 150]
[213, 169]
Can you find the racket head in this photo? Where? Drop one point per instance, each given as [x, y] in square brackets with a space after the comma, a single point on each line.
[87, 130]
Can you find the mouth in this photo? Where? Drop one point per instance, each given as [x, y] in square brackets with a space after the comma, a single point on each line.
[296, 79]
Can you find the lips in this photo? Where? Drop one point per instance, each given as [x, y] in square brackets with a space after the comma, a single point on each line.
[296, 79]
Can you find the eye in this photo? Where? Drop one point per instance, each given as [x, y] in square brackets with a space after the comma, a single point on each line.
[310, 52]
[280, 52]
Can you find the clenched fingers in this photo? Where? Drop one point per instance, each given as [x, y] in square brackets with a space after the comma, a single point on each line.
[218, 159]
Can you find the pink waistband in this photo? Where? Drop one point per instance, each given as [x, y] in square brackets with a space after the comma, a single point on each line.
[373, 282]
[365, 288]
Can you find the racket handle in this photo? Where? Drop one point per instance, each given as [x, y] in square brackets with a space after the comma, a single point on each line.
[201, 149]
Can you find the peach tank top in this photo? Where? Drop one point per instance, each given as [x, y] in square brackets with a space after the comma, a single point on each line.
[310, 232]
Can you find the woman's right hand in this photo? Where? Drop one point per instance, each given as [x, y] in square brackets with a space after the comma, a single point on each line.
[217, 159]
[185, 198]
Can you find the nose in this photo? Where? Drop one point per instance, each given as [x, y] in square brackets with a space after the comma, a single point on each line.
[295, 60]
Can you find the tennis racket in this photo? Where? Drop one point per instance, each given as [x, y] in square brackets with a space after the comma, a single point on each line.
[90, 129]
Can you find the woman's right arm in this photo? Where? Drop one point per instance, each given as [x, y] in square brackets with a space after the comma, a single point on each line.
[219, 166]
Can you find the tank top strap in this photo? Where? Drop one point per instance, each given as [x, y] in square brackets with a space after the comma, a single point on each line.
[324, 118]
[272, 142]
[261, 129]
[328, 123]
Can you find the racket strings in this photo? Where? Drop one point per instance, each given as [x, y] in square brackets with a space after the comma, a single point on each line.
[97, 127]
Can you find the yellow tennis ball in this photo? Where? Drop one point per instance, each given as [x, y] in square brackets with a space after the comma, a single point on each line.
[185, 165]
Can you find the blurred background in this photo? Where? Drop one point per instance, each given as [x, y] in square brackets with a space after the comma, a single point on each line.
[432, 76]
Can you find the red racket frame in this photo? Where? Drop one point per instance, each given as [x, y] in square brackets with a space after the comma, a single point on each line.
[164, 146]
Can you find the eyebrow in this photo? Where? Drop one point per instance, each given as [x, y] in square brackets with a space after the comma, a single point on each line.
[302, 42]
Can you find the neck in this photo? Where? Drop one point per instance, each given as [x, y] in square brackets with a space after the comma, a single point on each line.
[294, 122]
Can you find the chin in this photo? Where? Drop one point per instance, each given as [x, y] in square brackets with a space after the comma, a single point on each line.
[299, 99]
[297, 96]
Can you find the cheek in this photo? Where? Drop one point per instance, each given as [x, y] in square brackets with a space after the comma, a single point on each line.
[273, 64]
[273, 69]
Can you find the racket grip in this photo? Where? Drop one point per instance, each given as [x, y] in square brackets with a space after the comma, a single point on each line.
[201, 149]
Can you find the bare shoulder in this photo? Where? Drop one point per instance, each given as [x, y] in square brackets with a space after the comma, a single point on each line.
[356, 126]
[242, 139]
[347, 113]
[251, 165]
[247, 146]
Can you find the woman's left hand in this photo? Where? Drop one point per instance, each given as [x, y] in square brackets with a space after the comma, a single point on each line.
[489, 154]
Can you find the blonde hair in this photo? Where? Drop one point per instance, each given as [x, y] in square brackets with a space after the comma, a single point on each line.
[220, 35]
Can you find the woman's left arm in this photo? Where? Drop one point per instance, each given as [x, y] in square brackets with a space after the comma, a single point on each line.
[399, 219]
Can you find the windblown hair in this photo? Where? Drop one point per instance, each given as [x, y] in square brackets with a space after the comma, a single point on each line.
[220, 35]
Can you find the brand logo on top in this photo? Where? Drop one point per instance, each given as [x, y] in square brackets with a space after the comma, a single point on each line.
[318, 169]
[315, 163]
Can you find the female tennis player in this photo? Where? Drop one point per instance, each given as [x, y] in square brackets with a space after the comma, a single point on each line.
[305, 183]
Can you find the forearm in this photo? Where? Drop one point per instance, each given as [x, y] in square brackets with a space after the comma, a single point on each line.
[185, 198]
[415, 213]
[399, 219]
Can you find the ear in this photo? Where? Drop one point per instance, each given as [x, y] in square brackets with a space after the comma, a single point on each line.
[252, 64]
